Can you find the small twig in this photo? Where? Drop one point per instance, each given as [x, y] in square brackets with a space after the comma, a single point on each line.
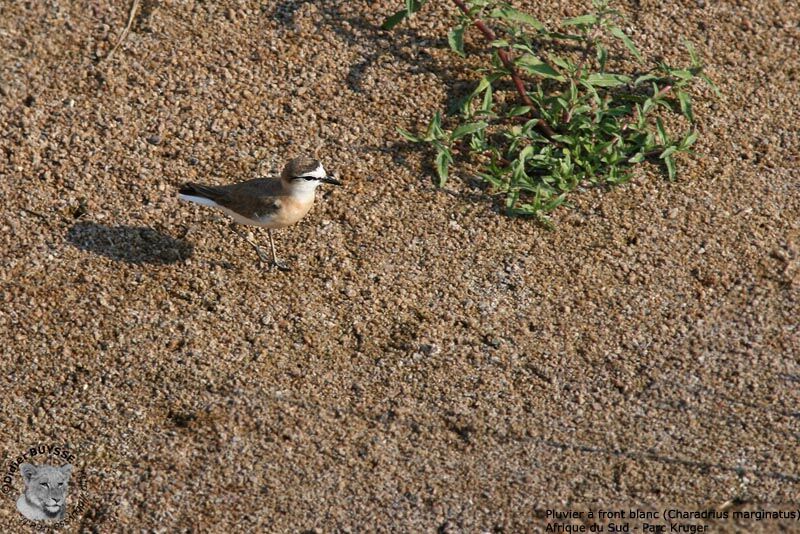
[541, 124]
[126, 30]
[36, 213]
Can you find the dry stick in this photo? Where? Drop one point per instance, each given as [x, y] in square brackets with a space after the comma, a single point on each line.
[45, 218]
[125, 31]
[487, 32]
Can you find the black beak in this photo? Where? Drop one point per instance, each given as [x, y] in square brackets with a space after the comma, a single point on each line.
[331, 180]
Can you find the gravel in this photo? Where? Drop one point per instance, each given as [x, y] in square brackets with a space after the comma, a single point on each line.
[429, 363]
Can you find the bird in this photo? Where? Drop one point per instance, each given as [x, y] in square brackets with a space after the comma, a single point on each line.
[266, 202]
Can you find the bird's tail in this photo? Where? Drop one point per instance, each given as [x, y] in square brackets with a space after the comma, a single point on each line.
[200, 194]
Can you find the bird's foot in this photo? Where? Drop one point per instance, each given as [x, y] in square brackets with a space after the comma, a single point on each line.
[263, 256]
[280, 266]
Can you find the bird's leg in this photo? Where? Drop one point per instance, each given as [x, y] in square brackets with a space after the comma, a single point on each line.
[261, 254]
[277, 263]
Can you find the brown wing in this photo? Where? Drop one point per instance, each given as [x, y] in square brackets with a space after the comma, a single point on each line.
[255, 199]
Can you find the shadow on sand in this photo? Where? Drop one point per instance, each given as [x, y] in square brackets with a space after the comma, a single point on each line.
[131, 244]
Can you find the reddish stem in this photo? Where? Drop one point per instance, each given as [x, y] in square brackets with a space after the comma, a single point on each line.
[541, 124]
[666, 89]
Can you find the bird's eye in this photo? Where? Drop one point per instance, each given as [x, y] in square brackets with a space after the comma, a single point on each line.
[45, 484]
[60, 484]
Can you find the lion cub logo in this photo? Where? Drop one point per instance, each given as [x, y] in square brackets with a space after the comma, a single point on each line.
[45, 491]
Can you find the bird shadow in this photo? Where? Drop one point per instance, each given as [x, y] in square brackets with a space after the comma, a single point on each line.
[131, 244]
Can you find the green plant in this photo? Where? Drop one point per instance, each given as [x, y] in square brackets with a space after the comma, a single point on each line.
[581, 123]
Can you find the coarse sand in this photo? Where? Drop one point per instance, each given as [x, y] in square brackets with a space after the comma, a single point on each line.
[429, 364]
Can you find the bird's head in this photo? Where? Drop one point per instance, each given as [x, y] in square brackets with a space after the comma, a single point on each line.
[305, 174]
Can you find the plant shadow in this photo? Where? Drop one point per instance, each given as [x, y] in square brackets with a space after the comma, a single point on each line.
[404, 44]
[131, 244]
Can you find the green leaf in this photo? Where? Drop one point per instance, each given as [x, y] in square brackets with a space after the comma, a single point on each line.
[668, 152]
[686, 105]
[536, 66]
[556, 202]
[500, 43]
[511, 199]
[692, 52]
[513, 15]
[492, 179]
[689, 140]
[434, 130]
[565, 139]
[524, 154]
[412, 6]
[619, 34]
[672, 170]
[583, 20]
[711, 84]
[602, 56]
[483, 84]
[664, 103]
[466, 129]
[443, 160]
[561, 62]
[518, 110]
[455, 38]
[394, 20]
[486, 106]
[645, 78]
[408, 135]
[477, 143]
[580, 110]
[682, 74]
[657, 94]
[566, 36]
[573, 92]
[592, 92]
[662, 133]
[607, 80]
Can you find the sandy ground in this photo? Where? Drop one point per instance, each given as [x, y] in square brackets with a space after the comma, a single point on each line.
[428, 365]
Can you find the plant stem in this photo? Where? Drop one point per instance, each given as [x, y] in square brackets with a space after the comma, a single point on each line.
[541, 125]
[591, 41]
[666, 89]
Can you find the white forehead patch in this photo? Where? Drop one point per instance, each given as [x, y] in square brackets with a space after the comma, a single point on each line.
[319, 172]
